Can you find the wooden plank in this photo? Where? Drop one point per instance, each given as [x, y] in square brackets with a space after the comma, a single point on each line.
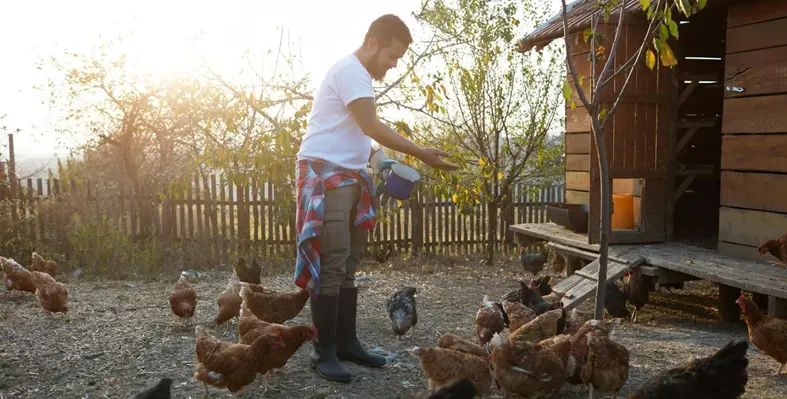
[758, 115]
[757, 36]
[757, 72]
[746, 252]
[578, 162]
[762, 191]
[750, 227]
[751, 12]
[713, 266]
[578, 181]
[577, 120]
[577, 197]
[555, 233]
[757, 153]
[582, 284]
[577, 143]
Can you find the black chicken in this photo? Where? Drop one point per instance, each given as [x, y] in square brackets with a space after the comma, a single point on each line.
[722, 375]
[635, 289]
[544, 284]
[401, 310]
[615, 301]
[462, 389]
[532, 262]
[162, 390]
[248, 274]
[533, 300]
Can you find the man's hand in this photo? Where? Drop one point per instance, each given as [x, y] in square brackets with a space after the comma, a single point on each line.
[434, 158]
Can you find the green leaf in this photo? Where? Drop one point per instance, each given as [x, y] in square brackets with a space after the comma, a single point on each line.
[702, 3]
[663, 33]
[586, 34]
[568, 92]
[645, 4]
[602, 114]
[657, 44]
[650, 59]
[673, 29]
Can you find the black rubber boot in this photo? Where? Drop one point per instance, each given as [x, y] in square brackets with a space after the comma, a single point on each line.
[348, 347]
[323, 357]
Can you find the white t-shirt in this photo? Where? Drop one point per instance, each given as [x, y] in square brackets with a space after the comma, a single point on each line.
[332, 133]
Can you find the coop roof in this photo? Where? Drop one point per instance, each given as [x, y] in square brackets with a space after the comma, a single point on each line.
[578, 13]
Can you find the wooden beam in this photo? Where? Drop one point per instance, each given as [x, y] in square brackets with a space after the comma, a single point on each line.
[757, 36]
[761, 153]
[578, 181]
[728, 309]
[751, 12]
[687, 91]
[684, 185]
[698, 170]
[685, 138]
[685, 123]
[777, 307]
[577, 143]
[761, 191]
[758, 72]
[750, 227]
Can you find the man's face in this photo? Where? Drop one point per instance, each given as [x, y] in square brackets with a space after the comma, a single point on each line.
[384, 58]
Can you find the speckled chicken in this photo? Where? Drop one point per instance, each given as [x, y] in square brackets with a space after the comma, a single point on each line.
[183, 299]
[402, 311]
[488, 320]
[442, 367]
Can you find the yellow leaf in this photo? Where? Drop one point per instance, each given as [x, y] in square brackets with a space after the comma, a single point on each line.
[455, 198]
[499, 175]
[481, 162]
[667, 56]
[650, 59]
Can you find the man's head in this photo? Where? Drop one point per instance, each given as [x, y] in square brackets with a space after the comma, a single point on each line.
[385, 43]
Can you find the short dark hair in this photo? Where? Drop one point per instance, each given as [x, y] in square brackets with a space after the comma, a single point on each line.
[388, 27]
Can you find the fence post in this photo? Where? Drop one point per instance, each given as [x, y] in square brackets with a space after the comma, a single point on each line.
[417, 223]
[508, 218]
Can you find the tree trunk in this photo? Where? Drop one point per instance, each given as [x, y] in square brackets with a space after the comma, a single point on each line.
[491, 231]
[606, 214]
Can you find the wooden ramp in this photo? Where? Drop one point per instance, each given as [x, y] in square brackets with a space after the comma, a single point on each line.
[582, 284]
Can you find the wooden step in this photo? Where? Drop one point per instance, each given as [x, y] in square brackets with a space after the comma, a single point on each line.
[582, 284]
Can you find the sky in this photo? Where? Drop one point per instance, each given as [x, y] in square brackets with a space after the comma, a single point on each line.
[32, 29]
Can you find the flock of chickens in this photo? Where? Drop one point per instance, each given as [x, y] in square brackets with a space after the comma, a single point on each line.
[527, 344]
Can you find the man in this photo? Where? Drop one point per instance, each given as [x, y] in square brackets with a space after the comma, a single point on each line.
[336, 195]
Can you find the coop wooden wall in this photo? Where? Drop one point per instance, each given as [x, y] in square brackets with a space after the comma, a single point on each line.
[578, 144]
[754, 127]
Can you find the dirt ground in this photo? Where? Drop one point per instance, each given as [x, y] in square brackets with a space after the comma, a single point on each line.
[121, 336]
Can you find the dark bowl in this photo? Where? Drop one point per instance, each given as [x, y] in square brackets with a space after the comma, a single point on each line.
[570, 216]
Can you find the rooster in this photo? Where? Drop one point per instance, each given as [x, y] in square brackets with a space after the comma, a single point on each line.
[402, 311]
[722, 375]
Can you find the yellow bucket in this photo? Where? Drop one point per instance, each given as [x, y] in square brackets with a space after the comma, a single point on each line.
[623, 214]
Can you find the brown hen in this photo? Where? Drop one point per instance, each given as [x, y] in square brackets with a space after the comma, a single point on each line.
[607, 368]
[777, 248]
[228, 365]
[488, 320]
[766, 332]
[526, 369]
[518, 314]
[183, 299]
[538, 329]
[40, 265]
[229, 301]
[271, 306]
[443, 367]
[17, 277]
[455, 342]
[52, 296]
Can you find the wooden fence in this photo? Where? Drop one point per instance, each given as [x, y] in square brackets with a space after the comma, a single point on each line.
[236, 217]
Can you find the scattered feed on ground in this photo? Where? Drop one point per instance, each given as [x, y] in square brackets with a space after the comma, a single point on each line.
[121, 336]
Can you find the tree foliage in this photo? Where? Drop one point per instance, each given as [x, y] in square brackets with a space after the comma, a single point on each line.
[491, 109]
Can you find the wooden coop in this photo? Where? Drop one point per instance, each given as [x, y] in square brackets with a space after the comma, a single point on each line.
[696, 154]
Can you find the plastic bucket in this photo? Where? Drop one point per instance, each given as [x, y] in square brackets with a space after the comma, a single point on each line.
[401, 182]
